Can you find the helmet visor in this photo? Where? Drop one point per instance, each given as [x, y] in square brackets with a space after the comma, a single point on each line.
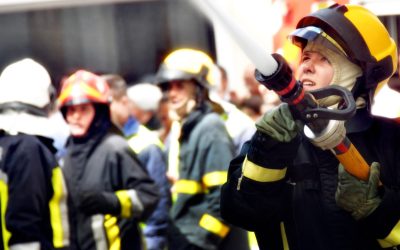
[300, 37]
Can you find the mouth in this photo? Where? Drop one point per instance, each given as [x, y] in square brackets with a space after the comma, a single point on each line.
[308, 83]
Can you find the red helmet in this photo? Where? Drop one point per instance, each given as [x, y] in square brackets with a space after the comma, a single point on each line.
[84, 87]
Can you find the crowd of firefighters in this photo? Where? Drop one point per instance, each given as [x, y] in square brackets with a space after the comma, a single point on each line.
[181, 163]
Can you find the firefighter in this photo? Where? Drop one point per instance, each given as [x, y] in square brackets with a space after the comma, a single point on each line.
[110, 191]
[149, 149]
[294, 194]
[32, 188]
[199, 154]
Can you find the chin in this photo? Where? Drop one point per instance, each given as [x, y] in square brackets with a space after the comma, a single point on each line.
[77, 132]
[310, 88]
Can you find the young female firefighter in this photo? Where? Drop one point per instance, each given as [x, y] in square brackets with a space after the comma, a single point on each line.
[110, 192]
[294, 194]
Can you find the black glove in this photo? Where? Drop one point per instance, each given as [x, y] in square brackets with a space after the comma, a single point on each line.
[99, 203]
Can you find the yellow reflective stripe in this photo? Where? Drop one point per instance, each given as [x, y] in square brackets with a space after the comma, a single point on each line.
[144, 138]
[58, 210]
[261, 174]
[187, 187]
[284, 237]
[89, 90]
[331, 40]
[216, 178]
[112, 231]
[213, 225]
[65, 94]
[252, 240]
[174, 150]
[4, 200]
[393, 239]
[125, 202]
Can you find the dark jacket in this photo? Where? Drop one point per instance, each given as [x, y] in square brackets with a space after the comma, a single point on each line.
[33, 193]
[299, 210]
[204, 154]
[108, 164]
[149, 150]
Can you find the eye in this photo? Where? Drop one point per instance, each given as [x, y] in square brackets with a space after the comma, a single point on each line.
[324, 59]
[305, 58]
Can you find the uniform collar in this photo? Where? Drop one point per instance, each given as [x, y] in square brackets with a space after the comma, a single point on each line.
[130, 127]
[361, 121]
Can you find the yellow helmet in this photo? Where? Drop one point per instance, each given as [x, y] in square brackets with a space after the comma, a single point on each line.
[186, 64]
[357, 33]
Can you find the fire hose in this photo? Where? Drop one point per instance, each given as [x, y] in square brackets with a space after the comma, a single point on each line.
[323, 126]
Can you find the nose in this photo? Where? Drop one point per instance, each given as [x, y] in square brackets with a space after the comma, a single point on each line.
[73, 114]
[308, 66]
[173, 89]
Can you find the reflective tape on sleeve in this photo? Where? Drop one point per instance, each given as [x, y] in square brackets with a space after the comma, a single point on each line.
[125, 202]
[216, 178]
[113, 232]
[187, 187]
[262, 174]
[26, 246]
[393, 239]
[214, 225]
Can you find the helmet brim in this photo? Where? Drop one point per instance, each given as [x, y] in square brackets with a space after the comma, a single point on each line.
[302, 36]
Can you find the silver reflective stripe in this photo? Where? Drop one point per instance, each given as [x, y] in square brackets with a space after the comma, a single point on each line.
[99, 234]
[3, 177]
[26, 246]
[137, 205]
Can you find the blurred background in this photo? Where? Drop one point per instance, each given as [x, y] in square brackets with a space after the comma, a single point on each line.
[131, 37]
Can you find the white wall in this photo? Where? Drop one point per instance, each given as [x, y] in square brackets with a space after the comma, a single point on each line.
[23, 5]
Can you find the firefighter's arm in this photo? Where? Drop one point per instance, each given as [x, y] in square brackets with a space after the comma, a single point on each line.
[218, 151]
[257, 191]
[136, 191]
[384, 222]
[131, 194]
[373, 204]
[94, 202]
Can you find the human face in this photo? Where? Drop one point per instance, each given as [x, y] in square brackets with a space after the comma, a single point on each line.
[181, 97]
[79, 117]
[315, 71]
[119, 109]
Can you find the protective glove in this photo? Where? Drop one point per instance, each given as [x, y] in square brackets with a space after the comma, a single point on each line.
[99, 203]
[358, 197]
[278, 123]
